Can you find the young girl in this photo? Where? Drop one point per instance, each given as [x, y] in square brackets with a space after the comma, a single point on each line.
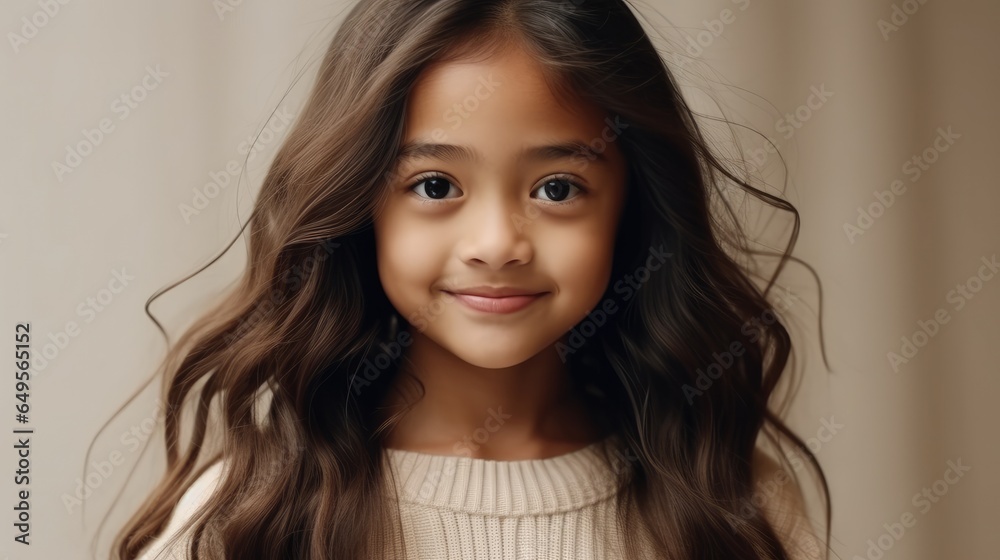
[487, 314]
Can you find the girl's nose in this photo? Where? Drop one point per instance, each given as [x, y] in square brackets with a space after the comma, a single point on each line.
[494, 234]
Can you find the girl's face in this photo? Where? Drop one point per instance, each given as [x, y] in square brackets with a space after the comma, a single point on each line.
[481, 197]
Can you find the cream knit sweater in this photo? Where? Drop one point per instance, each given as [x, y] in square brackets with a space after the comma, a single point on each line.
[460, 507]
[452, 507]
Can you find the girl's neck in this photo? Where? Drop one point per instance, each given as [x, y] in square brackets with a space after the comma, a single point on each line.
[529, 411]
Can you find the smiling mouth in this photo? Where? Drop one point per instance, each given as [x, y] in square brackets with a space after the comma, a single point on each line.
[505, 304]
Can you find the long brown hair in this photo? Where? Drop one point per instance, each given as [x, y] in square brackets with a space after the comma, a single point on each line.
[304, 471]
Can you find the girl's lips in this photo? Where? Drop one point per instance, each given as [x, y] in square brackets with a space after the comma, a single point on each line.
[507, 304]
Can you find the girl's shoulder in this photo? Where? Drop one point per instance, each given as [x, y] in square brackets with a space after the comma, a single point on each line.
[784, 507]
[161, 548]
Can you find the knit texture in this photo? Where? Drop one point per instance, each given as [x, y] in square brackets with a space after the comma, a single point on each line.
[555, 508]
[464, 508]
[454, 507]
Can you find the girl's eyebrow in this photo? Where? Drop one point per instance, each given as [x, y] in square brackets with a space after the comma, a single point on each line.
[568, 149]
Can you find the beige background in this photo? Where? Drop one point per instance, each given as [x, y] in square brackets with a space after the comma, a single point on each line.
[64, 236]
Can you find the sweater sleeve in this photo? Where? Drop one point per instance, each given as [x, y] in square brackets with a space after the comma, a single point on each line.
[784, 507]
[193, 498]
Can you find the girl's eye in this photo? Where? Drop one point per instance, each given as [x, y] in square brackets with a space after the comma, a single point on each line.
[436, 186]
[558, 187]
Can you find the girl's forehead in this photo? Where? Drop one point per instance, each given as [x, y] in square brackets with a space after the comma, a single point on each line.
[509, 90]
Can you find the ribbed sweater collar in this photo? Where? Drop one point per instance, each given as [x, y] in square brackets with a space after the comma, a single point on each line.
[488, 487]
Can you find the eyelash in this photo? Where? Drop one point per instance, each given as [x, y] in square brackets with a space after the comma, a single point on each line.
[432, 175]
